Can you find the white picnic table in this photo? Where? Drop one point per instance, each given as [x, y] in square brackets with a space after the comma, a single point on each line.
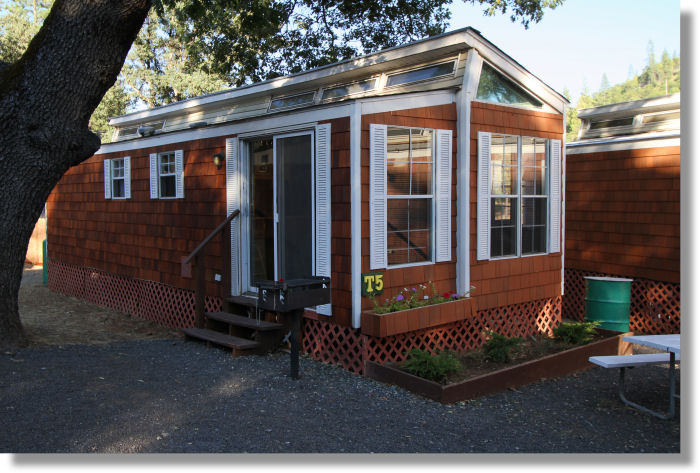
[670, 343]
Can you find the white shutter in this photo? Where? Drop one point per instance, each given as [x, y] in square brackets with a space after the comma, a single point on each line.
[483, 206]
[443, 196]
[555, 196]
[108, 179]
[323, 206]
[154, 175]
[127, 177]
[179, 175]
[233, 202]
[377, 196]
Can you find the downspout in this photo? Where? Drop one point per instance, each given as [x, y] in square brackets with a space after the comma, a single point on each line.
[356, 210]
[465, 95]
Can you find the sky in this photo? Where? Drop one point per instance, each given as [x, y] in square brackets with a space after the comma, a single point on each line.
[579, 41]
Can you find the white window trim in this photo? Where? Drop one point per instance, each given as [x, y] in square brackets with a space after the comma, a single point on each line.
[485, 246]
[155, 175]
[109, 178]
[379, 196]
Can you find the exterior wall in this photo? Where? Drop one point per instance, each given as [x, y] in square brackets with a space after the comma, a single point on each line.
[623, 213]
[140, 238]
[515, 280]
[623, 220]
[441, 274]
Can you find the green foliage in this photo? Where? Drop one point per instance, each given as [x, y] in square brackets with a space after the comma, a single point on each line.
[524, 10]
[433, 367]
[576, 333]
[20, 20]
[419, 296]
[657, 79]
[498, 347]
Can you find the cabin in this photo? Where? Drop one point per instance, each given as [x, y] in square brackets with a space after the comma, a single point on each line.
[434, 166]
[623, 204]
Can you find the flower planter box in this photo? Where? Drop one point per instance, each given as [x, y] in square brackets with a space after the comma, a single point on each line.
[551, 366]
[402, 321]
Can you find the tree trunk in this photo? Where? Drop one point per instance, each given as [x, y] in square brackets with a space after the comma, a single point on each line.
[46, 100]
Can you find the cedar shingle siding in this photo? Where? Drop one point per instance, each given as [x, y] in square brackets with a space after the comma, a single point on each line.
[623, 213]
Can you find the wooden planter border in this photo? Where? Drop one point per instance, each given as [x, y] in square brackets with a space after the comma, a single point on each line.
[550, 366]
[394, 323]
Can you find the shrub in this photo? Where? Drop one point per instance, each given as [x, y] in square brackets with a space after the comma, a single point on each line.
[576, 333]
[433, 367]
[498, 347]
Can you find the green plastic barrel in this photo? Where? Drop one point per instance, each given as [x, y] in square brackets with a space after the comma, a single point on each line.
[608, 302]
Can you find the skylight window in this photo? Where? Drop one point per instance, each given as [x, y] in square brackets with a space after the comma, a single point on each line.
[291, 101]
[495, 87]
[433, 71]
[348, 89]
[627, 121]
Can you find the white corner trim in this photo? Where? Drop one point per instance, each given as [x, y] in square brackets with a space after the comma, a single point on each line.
[563, 203]
[356, 211]
[466, 94]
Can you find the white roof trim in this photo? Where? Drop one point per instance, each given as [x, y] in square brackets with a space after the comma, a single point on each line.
[666, 102]
[656, 140]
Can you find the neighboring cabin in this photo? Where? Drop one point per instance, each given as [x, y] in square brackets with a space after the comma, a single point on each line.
[623, 208]
[437, 161]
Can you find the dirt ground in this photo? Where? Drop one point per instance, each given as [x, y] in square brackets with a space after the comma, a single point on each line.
[56, 319]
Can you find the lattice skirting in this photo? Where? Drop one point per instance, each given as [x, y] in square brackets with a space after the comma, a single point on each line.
[655, 306]
[160, 303]
[348, 347]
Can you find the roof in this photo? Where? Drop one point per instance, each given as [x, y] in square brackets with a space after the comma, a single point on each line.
[254, 99]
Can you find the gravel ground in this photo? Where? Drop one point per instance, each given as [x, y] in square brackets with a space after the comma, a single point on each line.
[141, 394]
[174, 396]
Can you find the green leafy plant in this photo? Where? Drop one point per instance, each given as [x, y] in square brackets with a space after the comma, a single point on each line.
[498, 347]
[433, 367]
[576, 333]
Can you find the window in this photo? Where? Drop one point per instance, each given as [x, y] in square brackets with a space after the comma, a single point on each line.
[410, 201]
[495, 87]
[409, 177]
[518, 196]
[424, 73]
[117, 178]
[292, 101]
[348, 89]
[167, 175]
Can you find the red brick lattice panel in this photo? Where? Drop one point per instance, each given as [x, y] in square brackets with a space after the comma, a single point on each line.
[332, 343]
[655, 306]
[160, 303]
[113, 291]
[66, 279]
[347, 347]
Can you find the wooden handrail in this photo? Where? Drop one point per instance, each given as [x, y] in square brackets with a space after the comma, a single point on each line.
[204, 242]
[199, 270]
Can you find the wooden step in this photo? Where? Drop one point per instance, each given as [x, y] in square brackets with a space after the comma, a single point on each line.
[220, 338]
[246, 322]
[246, 301]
